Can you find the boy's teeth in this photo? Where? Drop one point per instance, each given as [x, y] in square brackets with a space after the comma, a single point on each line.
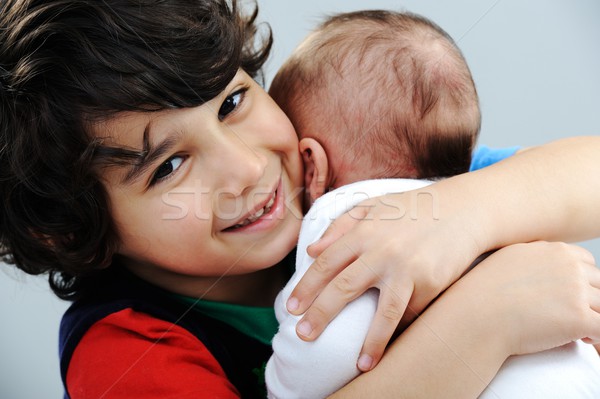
[258, 214]
[270, 203]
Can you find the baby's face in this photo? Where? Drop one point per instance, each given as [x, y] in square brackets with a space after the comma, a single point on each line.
[221, 196]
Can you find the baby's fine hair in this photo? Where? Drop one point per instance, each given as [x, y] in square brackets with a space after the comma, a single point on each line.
[66, 64]
[388, 89]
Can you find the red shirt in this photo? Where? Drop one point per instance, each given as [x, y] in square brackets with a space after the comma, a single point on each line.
[142, 357]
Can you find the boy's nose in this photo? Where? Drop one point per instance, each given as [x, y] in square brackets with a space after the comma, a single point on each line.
[242, 165]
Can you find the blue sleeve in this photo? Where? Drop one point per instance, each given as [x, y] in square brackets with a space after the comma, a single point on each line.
[486, 156]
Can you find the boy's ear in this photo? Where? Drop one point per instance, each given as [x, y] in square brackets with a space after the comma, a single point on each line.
[316, 167]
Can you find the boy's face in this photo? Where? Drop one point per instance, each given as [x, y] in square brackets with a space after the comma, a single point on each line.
[221, 196]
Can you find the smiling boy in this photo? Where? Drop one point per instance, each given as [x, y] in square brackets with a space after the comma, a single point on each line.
[258, 167]
[112, 113]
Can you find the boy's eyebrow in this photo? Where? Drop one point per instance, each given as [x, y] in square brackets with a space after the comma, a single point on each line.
[148, 155]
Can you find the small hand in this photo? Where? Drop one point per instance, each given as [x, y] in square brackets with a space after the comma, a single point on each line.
[539, 295]
[395, 243]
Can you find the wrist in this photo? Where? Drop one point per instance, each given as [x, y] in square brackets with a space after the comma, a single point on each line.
[469, 340]
[465, 218]
[481, 322]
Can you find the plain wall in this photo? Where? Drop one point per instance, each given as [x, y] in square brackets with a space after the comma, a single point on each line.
[536, 67]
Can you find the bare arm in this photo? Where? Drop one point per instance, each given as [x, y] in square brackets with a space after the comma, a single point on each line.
[522, 299]
[549, 192]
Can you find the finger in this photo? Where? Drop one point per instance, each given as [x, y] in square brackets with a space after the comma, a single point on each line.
[593, 275]
[594, 342]
[344, 288]
[391, 307]
[322, 271]
[586, 255]
[594, 336]
[338, 228]
[594, 299]
[407, 319]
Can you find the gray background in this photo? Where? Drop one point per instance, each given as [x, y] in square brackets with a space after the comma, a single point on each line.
[536, 67]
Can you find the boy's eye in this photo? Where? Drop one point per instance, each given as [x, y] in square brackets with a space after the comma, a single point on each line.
[231, 103]
[168, 167]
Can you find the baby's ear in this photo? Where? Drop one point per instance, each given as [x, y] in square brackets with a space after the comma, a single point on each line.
[315, 167]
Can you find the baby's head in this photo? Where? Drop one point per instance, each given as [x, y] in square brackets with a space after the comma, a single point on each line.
[100, 101]
[385, 94]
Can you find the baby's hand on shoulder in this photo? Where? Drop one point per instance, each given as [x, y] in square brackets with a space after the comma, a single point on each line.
[398, 243]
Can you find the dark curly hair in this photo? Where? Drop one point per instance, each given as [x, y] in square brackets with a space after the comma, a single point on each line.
[67, 63]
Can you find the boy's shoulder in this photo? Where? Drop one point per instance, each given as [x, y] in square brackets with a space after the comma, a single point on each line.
[128, 346]
[237, 353]
[345, 197]
[333, 204]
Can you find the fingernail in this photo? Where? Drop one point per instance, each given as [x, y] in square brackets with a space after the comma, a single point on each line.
[304, 328]
[365, 362]
[313, 244]
[292, 304]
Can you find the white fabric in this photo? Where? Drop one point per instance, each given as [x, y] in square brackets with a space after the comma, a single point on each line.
[300, 369]
[568, 372]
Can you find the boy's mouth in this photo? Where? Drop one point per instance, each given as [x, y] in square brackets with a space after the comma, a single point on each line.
[253, 218]
[263, 211]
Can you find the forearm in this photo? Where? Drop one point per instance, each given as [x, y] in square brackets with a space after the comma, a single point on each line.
[434, 233]
[448, 352]
[549, 193]
[524, 298]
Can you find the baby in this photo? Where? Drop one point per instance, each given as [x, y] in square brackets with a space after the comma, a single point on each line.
[373, 95]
